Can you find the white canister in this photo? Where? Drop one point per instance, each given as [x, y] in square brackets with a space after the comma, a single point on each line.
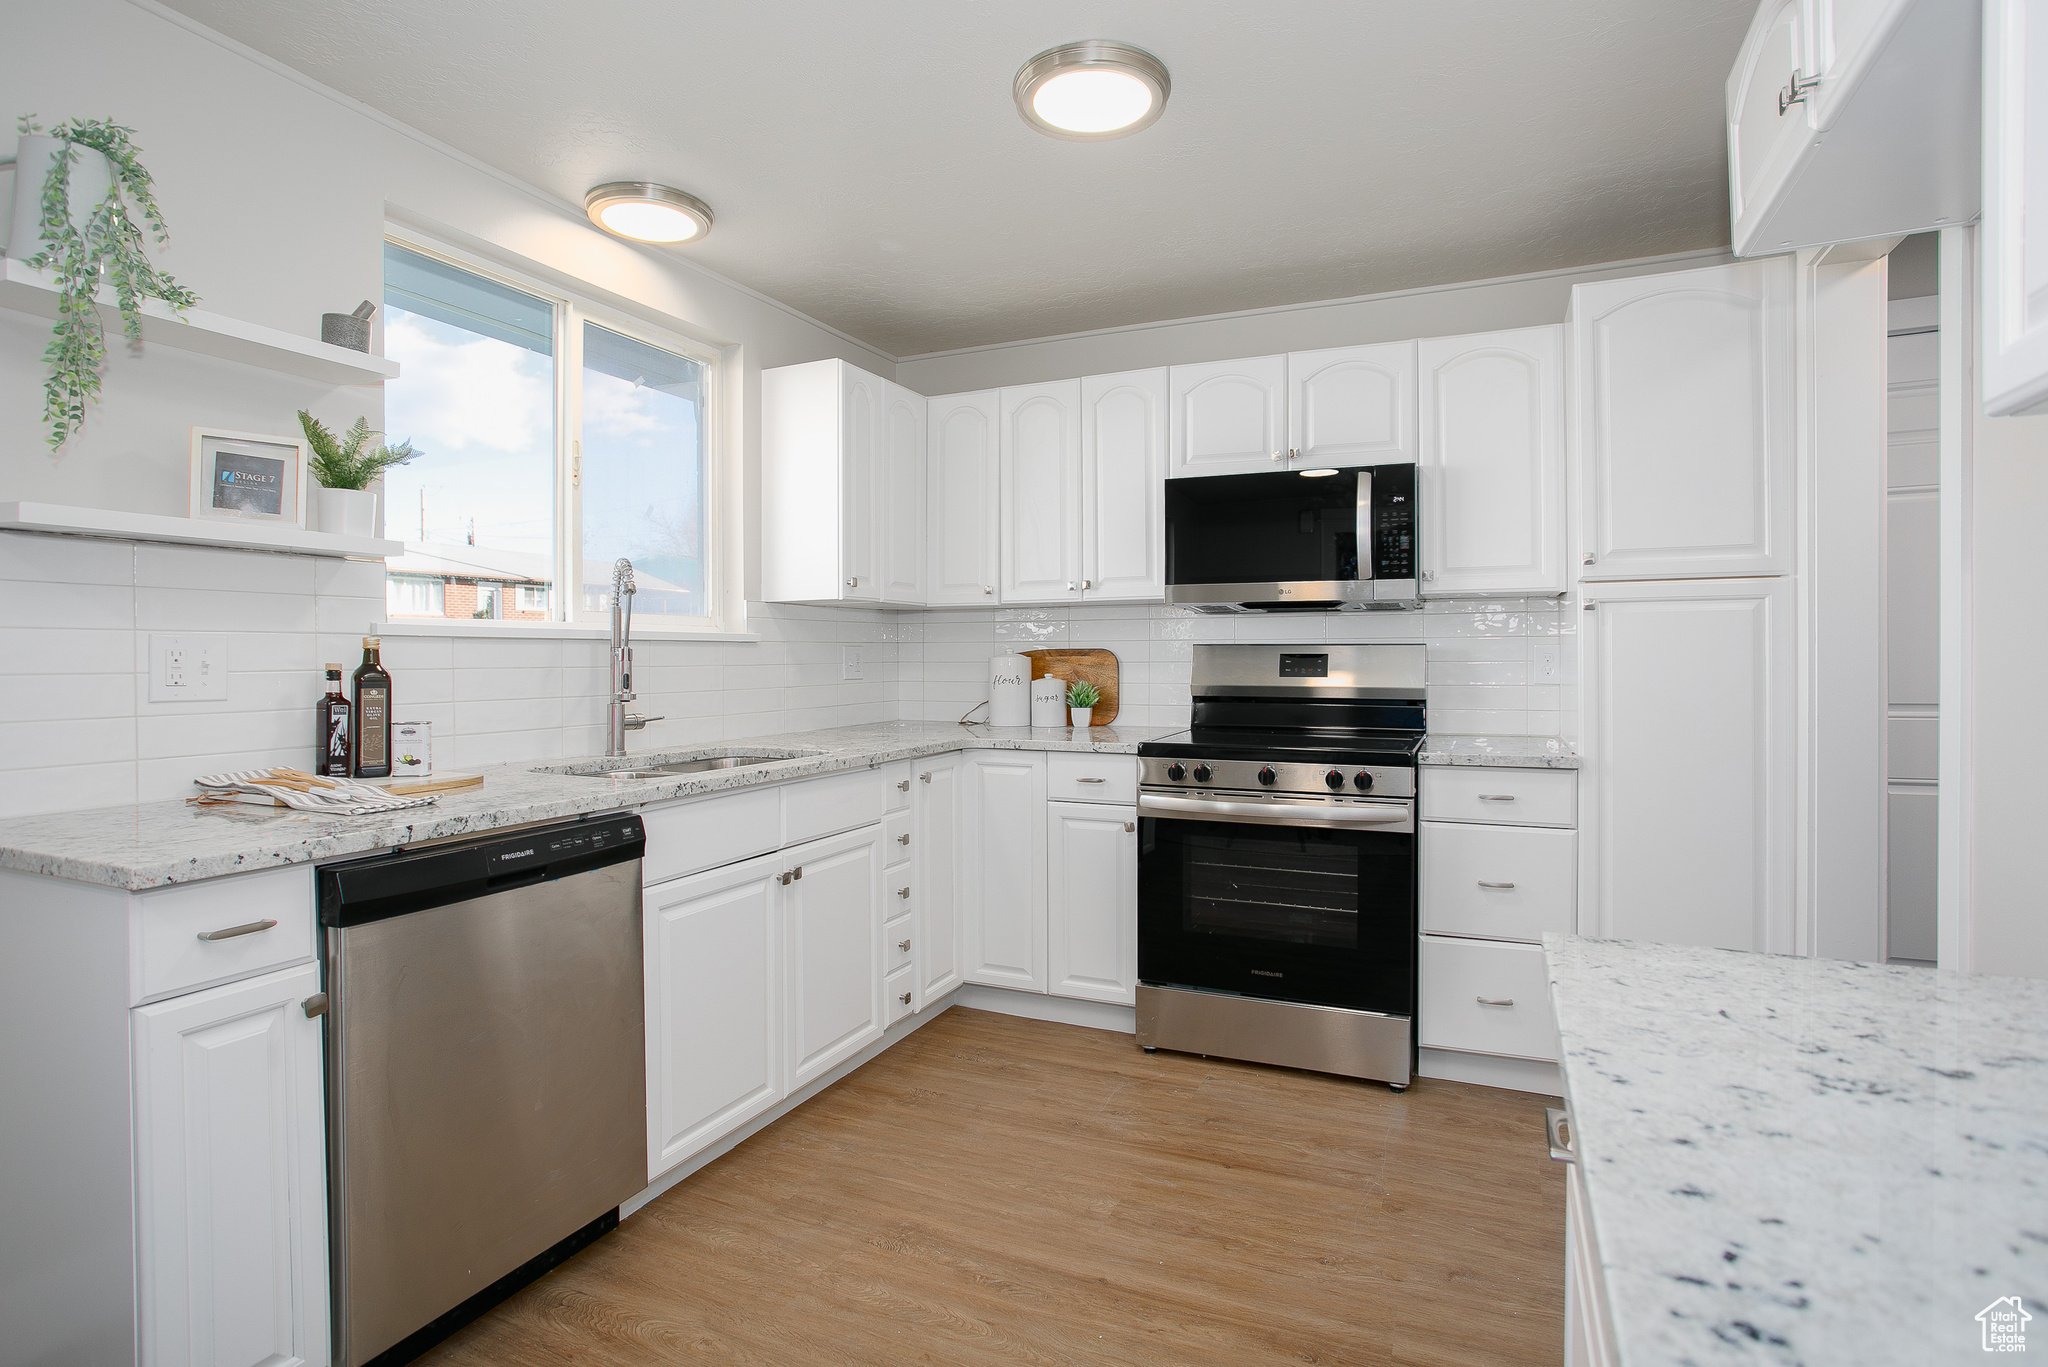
[1048, 702]
[1009, 690]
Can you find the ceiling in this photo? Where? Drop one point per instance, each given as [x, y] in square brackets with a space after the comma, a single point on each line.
[867, 166]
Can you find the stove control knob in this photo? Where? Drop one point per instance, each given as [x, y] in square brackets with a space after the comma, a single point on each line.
[1267, 776]
[1176, 771]
[1334, 779]
[1363, 780]
[1203, 773]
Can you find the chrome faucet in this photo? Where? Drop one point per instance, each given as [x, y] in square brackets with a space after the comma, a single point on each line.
[622, 721]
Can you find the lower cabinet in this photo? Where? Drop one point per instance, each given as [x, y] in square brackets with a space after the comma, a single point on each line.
[1002, 889]
[1091, 877]
[1486, 997]
[834, 964]
[231, 1193]
[1588, 1331]
[937, 869]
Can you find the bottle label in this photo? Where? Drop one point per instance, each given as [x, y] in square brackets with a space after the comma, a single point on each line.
[376, 740]
[336, 760]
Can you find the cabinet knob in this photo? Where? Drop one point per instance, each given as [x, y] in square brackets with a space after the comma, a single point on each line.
[1586, 559]
[1590, 606]
[315, 1005]
[905, 999]
[1070, 583]
[903, 946]
[1294, 453]
[904, 786]
[988, 588]
[903, 893]
[1279, 455]
[1130, 825]
[784, 880]
[796, 873]
[903, 839]
[924, 778]
[853, 583]
[1087, 583]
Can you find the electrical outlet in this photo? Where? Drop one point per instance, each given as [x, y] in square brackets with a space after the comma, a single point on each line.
[849, 663]
[188, 668]
[1545, 669]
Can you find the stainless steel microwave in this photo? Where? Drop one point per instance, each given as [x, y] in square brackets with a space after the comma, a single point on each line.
[1294, 541]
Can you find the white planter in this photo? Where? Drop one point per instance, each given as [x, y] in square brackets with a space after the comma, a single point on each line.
[1083, 716]
[345, 512]
[91, 174]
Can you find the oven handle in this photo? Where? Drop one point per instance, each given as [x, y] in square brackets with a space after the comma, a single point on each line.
[1326, 814]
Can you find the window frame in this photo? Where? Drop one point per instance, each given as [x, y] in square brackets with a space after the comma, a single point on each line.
[724, 617]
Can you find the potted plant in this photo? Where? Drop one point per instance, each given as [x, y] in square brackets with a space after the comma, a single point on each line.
[345, 469]
[1081, 700]
[77, 227]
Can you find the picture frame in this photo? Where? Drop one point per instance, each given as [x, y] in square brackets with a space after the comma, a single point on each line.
[248, 477]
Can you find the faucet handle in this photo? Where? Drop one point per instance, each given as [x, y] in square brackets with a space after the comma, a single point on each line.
[636, 722]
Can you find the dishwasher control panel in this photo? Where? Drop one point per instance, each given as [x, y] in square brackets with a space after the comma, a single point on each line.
[549, 846]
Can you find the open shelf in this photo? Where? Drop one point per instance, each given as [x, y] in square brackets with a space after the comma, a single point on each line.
[209, 334]
[186, 531]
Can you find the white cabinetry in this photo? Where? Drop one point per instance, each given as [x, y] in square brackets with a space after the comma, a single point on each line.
[1588, 1327]
[1041, 493]
[231, 1193]
[936, 851]
[1492, 462]
[899, 518]
[1123, 483]
[1688, 819]
[1229, 417]
[1003, 888]
[963, 524]
[834, 967]
[2015, 230]
[1092, 891]
[1351, 406]
[1683, 426]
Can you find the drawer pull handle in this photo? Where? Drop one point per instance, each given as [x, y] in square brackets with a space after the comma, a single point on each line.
[903, 893]
[1484, 884]
[1091, 780]
[905, 999]
[253, 928]
[1495, 1001]
[903, 839]
[904, 786]
[315, 1005]
[1496, 797]
[903, 945]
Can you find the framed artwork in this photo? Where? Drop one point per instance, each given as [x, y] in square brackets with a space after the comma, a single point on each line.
[248, 477]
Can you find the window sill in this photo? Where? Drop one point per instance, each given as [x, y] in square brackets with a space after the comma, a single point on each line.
[547, 631]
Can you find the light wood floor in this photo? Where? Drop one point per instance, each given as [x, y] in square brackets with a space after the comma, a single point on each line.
[997, 1190]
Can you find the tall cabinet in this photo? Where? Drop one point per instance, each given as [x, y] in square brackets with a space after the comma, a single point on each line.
[963, 436]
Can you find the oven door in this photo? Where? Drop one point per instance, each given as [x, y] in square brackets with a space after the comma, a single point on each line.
[1302, 901]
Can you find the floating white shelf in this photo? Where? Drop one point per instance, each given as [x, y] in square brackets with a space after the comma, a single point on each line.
[209, 334]
[187, 531]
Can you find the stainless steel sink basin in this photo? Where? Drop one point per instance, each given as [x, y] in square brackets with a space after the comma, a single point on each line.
[705, 766]
[702, 764]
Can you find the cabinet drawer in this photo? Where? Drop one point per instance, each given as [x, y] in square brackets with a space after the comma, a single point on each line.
[1515, 797]
[896, 786]
[1092, 778]
[898, 943]
[1459, 980]
[1504, 882]
[826, 806]
[896, 839]
[899, 990]
[165, 925]
[689, 837]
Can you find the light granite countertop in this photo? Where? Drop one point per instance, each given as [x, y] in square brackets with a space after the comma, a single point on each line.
[1805, 1161]
[158, 843]
[1500, 752]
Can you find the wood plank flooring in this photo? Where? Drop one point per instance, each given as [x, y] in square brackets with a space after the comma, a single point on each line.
[998, 1190]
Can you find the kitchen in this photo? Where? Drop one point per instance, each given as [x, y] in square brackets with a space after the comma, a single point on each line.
[1700, 680]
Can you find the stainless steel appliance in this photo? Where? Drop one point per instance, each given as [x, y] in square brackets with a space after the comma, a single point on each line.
[486, 1071]
[1276, 861]
[1294, 541]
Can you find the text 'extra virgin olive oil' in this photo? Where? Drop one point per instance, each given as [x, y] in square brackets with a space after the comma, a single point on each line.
[333, 737]
[373, 713]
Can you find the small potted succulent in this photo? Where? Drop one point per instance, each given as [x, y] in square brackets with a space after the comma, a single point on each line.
[1081, 700]
[345, 470]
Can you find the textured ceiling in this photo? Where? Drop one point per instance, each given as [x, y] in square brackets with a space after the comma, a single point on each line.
[867, 166]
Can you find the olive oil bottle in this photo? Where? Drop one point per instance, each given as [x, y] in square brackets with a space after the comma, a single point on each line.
[333, 737]
[372, 697]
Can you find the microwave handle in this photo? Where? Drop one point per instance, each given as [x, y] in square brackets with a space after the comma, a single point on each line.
[1366, 567]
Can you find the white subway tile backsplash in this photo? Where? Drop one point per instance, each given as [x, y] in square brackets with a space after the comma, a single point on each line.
[81, 607]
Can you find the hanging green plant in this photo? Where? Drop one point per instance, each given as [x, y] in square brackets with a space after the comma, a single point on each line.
[105, 246]
[341, 462]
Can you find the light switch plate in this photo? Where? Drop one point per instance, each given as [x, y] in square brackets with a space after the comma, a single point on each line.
[849, 663]
[1544, 669]
[188, 668]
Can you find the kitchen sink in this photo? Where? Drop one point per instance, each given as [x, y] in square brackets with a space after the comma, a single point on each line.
[696, 764]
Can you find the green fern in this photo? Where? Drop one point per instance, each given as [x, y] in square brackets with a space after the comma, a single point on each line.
[342, 463]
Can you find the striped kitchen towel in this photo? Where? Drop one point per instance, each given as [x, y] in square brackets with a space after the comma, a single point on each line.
[296, 788]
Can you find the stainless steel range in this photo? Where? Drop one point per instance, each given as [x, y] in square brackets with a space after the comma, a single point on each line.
[1276, 861]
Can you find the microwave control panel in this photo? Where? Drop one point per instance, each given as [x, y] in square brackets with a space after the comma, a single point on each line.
[1393, 522]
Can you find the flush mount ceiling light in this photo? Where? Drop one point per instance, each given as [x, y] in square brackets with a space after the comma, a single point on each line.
[646, 212]
[1091, 91]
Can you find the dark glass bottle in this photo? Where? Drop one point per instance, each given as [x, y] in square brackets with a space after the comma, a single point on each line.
[373, 714]
[333, 737]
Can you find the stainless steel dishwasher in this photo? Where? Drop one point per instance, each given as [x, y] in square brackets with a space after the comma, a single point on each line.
[486, 1071]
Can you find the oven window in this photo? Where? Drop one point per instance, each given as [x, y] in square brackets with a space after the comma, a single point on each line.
[1278, 886]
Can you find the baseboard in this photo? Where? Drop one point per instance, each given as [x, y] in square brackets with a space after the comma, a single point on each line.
[1038, 1006]
[1491, 1070]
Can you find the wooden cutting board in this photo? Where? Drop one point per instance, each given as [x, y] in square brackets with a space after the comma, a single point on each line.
[1081, 666]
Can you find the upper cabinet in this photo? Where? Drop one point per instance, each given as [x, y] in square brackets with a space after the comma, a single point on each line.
[1229, 417]
[1683, 422]
[1041, 493]
[842, 455]
[1351, 406]
[1492, 462]
[1852, 119]
[2015, 230]
[1123, 477]
[962, 432]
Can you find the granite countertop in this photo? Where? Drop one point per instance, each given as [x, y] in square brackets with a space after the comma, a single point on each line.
[158, 843]
[1500, 752]
[1804, 1161]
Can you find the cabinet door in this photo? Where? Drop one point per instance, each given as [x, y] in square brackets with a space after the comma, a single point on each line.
[1493, 462]
[1091, 877]
[1003, 891]
[1765, 140]
[1351, 406]
[961, 432]
[1687, 820]
[834, 919]
[1228, 417]
[1683, 387]
[1123, 486]
[2015, 231]
[714, 1005]
[900, 509]
[230, 1162]
[1844, 37]
[935, 856]
[863, 484]
[1041, 501]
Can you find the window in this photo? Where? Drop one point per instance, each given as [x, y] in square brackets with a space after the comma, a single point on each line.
[555, 439]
